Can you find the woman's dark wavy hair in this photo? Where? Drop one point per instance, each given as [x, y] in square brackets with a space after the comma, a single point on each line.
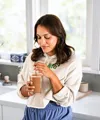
[53, 24]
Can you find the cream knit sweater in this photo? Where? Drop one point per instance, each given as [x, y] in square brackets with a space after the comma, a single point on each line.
[69, 73]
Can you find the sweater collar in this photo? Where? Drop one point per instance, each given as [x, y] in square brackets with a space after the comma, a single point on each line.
[50, 59]
[48, 56]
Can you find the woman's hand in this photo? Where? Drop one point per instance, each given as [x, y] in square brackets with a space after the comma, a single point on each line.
[28, 89]
[43, 69]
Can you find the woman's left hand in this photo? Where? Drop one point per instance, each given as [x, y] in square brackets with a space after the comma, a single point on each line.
[43, 69]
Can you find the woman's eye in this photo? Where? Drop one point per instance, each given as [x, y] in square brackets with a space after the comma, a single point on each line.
[47, 37]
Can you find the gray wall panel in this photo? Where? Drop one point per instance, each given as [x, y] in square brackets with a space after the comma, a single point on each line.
[92, 79]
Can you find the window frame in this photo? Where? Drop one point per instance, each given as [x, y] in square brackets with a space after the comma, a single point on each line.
[92, 61]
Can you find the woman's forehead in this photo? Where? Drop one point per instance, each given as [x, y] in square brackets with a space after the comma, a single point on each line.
[42, 30]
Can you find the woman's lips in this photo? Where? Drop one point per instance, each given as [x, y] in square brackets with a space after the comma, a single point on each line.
[44, 47]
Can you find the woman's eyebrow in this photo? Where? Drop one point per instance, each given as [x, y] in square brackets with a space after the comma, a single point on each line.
[43, 34]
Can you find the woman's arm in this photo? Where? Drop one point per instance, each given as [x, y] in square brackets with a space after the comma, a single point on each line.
[56, 84]
[67, 95]
[22, 84]
[64, 94]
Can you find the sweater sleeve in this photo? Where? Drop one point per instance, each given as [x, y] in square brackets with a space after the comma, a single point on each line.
[23, 77]
[67, 95]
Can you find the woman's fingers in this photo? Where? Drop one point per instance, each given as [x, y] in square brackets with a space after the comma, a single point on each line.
[29, 83]
[39, 63]
[30, 93]
[30, 90]
[30, 86]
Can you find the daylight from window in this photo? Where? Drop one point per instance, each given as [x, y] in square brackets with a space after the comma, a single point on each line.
[12, 26]
[73, 16]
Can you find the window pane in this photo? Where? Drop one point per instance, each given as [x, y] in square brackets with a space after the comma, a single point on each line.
[12, 26]
[73, 16]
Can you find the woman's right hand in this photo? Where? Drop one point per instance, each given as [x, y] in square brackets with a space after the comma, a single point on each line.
[28, 89]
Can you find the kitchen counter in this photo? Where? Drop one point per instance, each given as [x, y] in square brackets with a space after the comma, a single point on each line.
[12, 99]
[87, 108]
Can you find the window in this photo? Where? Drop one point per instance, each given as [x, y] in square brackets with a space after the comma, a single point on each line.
[73, 16]
[12, 26]
[15, 28]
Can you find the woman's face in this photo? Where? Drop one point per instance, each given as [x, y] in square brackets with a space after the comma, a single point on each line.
[46, 40]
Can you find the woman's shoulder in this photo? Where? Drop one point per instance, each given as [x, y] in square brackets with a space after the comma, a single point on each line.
[28, 58]
[30, 54]
[74, 60]
[75, 57]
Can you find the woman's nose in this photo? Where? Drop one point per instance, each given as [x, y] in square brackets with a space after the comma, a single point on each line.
[42, 41]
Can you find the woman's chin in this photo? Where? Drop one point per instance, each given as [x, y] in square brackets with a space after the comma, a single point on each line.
[45, 51]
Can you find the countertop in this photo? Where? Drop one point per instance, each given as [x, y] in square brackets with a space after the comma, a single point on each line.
[12, 99]
[87, 108]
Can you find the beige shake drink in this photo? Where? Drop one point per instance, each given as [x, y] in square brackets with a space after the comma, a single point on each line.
[36, 81]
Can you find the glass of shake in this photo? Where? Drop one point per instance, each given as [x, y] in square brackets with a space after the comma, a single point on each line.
[36, 81]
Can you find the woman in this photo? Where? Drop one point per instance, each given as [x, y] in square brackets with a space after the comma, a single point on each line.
[60, 69]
